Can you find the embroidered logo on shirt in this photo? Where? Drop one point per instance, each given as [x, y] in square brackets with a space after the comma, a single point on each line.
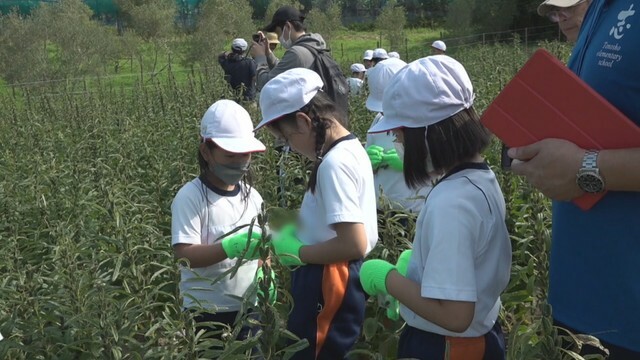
[618, 29]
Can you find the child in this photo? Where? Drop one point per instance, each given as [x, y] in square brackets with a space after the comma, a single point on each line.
[337, 220]
[208, 207]
[461, 259]
[357, 79]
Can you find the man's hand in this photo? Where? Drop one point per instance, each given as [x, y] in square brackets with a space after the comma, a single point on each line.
[375, 153]
[551, 166]
[373, 276]
[287, 246]
[234, 245]
[260, 48]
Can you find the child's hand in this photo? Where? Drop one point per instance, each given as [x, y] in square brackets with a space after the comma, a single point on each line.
[375, 153]
[373, 276]
[391, 158]
[393, 309]
[235, 245]
[273, 293]
[287, 246]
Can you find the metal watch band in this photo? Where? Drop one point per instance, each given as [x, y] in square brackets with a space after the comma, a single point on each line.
[590, 160]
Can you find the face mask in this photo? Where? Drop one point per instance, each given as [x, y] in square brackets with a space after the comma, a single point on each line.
[229, 174]
[286, 43]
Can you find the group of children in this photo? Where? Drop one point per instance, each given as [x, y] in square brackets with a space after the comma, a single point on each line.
[423, 152]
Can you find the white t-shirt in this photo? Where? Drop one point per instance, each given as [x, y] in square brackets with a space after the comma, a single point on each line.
[200, 215]
[461, 250]
[391, 182]
[344, 193]
[355, 85]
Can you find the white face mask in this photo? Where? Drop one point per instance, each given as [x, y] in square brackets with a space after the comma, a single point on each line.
[286, 43]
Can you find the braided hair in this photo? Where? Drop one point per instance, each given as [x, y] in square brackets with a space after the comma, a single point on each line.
[322, 112]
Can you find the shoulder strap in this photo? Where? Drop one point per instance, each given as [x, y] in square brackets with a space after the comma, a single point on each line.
[311, 49]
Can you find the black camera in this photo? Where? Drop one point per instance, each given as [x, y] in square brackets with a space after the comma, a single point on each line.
[256, 37]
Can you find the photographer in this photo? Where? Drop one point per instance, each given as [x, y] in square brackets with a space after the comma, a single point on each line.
[240, 71]
[287, 23]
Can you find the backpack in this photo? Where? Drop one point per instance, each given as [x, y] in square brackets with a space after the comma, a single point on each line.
[335, 83]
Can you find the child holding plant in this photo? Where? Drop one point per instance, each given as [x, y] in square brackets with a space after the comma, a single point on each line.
[460, 263]
[337, 220]
[211, 206]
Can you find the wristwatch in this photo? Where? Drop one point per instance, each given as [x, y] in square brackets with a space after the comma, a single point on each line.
[588, 177]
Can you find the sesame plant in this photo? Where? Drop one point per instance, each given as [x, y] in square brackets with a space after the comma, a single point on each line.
[87, 179]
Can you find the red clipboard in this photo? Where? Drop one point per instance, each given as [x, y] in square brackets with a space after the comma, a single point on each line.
[546, 100]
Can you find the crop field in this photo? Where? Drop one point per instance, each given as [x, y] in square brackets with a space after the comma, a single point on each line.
[87, 176]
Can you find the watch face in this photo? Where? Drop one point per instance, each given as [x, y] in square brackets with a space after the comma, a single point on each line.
[590, 182]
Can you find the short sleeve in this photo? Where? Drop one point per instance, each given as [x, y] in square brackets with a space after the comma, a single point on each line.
[340, 188]
[449, 255]
[186, 217]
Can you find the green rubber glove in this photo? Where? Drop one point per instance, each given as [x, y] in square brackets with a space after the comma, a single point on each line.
[287, 246]
[373, 276]
[234, 245]
[375, 153]
[402, 265]
[273, 293]
[391, 158]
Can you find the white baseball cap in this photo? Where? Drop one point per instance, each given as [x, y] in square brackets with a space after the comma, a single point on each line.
[358, 68]
[380, 53]
[440, 45]
[394, 54]
[548, 5]
[378, 78]
[288, 92]
[368, 55]
[229, 125]
[425, 92]
[239, 44]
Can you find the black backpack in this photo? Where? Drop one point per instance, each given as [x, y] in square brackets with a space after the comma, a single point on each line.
[335, 83]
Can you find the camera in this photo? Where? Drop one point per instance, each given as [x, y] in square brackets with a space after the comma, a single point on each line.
[257, 38]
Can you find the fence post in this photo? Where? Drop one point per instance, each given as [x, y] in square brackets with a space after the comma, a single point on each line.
[526, 39]
[406, 48]
[483, 38]
[342, 50]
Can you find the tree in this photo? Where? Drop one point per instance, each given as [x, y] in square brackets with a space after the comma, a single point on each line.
[150, 19]
[391, 23]
[219, 22]
[325, 22]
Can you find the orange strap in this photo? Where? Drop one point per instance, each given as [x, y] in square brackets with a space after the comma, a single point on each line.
[334, 288]
[459, 348]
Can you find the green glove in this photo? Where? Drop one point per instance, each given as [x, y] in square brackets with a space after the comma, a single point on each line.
[391, 158]
[402, 265]
[273, 293]
[235, 245]
[375, 155]
[373, 276]
[287, 246]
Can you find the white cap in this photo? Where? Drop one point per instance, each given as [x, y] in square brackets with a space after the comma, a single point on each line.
[368, 55]
[229, 126]
[358, 68]
[440, 45]
[380, 53]
[394, 54]
[239, 44]
[378, 78]
[548, 5]
[425, 92]
[288, 92]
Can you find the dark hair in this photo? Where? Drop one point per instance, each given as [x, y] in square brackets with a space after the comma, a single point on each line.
[298, 25]
[246, 180]
[452, 141]
[322, 111]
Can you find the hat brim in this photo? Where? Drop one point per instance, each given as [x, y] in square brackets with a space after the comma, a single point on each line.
[271, 27]
[386, 124]
[545, 7]
[240, 145]
[373, 104]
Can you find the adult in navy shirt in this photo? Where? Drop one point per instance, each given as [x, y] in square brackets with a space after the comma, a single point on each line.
[240, 71]
[594, 277]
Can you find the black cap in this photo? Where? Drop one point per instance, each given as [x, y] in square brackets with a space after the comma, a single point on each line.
[282, 15]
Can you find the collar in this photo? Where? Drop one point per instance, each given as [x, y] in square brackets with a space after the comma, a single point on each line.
[465, 166]
[219, 191]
